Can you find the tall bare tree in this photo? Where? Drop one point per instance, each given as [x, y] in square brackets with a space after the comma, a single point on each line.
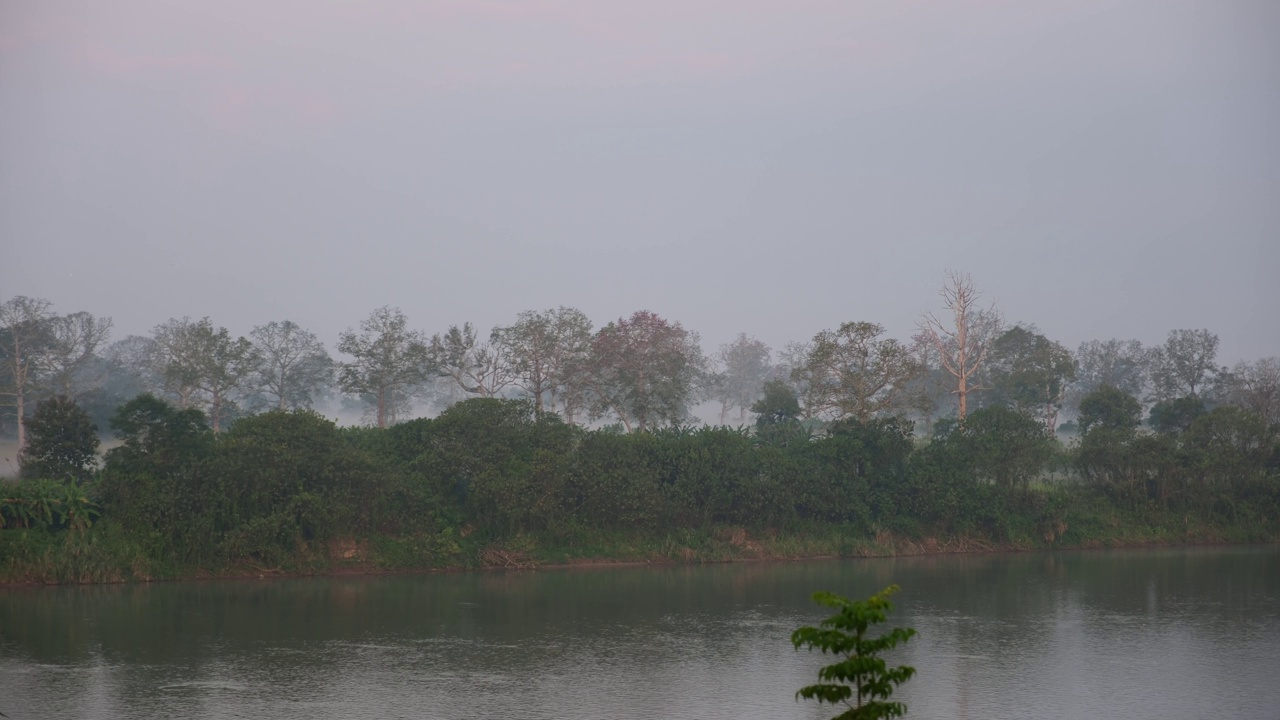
[389, 362]
[965, 339]
[24, 340]
[294, 364]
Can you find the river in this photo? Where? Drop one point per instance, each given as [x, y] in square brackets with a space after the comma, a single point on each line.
[1163, 633]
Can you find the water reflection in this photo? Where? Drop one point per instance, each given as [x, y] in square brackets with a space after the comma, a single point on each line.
[1164, 633]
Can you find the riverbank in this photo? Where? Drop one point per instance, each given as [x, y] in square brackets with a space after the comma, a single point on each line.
[105, 555]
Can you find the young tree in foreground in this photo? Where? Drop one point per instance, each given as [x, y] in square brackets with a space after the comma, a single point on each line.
[964, 341]
[861, 681]
[62, 442]
[389, 361]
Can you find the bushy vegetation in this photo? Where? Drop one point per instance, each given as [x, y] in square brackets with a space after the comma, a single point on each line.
[496, 482]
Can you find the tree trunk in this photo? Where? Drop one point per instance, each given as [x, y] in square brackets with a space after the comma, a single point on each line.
[22, 423]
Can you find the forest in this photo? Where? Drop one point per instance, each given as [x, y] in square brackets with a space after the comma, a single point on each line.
[556, 442]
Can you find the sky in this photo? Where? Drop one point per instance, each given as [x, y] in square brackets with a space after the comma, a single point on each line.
[1100, 169]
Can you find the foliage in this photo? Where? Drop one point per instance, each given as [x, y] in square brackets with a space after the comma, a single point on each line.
[852, 372]
[1174, 417]
[24, 344]
[644, 371]
[204, 365]
[1183, 364]
[293, 368]
[742, 367]
[1256, 387]
[1002, 446]
[778, 415]
[46, 504]
[548, 351]
[861, 680]
[1121, 364]
[62, 442]
[389, 362]
[1111, 409]
[1030, 373]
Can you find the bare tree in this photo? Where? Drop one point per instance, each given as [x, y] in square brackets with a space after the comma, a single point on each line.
[24, 322]
[294, 364]
[965, 339]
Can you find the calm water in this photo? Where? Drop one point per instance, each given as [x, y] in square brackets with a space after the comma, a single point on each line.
[1140, 634]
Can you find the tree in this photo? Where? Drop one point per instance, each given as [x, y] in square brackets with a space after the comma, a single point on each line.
[1174, 417]
[73, 342]
[644, 370]
[204, 365]
[389, 362]
[62, 442]
[962, 343]
[24, 345]
[778, 414]
[931, 387]
[1184, 364]
[479, 368]
[1030, 373]
[1002, 446]
[548, 350]
[852, 373]
[862, 675]
[1121, 364]
[1111, 409]
[743, 366]
[1256, 387]
[294, 366]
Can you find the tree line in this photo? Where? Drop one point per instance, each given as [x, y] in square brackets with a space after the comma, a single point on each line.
[640, 372]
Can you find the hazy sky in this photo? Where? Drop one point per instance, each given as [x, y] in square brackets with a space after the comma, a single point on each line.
[1102, 169]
